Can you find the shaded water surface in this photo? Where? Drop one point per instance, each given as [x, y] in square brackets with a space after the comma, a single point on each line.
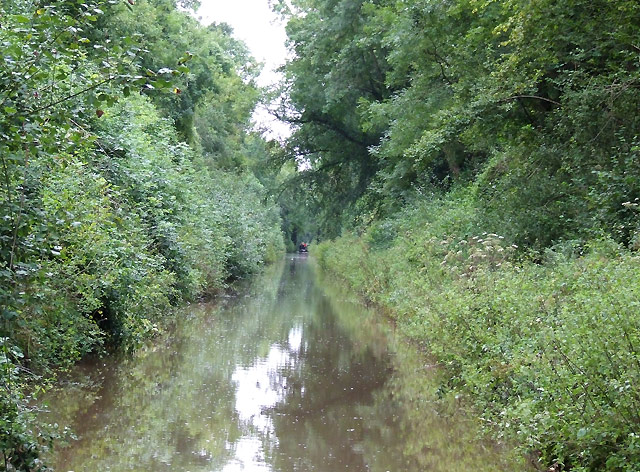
[287, 375]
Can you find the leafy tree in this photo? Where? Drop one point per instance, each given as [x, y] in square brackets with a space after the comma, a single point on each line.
[217, 88]
[338, 64]
[532, 103]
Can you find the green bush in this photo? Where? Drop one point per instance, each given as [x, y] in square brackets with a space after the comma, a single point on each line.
[253, 228]
[167, 189]
[120, 231]
[547, 352]
[131, 226]
[20, 445]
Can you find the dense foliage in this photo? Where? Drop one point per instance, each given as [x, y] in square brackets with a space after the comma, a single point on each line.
[108, 217]
[546, 352]
[484, 157]
[534, 103]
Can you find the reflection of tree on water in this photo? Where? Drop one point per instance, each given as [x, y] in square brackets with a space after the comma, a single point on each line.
[350, 403]
[333, 372]
[423, 433]
[328, 371]
[283, 375]
[172, 405]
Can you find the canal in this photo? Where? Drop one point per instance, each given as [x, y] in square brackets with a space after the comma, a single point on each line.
[288, 373]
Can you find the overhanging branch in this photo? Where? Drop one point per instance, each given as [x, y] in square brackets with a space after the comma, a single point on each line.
[536, 97]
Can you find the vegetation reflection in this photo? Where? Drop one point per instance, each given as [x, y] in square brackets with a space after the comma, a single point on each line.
[286, 374]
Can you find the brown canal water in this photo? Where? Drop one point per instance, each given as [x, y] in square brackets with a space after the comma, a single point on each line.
[289, 374]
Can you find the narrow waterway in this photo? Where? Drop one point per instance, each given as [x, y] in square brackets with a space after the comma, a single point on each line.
[289, 374]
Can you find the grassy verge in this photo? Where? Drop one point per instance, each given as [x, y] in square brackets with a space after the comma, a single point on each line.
[547, 349]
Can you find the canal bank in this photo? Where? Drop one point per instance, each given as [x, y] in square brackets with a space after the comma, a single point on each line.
[288, 374]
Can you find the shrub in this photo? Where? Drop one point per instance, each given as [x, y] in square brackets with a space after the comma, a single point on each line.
[546, 351]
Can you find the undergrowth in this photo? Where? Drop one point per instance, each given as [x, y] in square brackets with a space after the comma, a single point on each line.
[544, 345]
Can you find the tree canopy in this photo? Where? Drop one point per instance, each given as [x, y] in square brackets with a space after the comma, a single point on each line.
[534, 104]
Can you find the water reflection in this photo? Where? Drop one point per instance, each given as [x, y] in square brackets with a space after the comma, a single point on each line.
[285, 376]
